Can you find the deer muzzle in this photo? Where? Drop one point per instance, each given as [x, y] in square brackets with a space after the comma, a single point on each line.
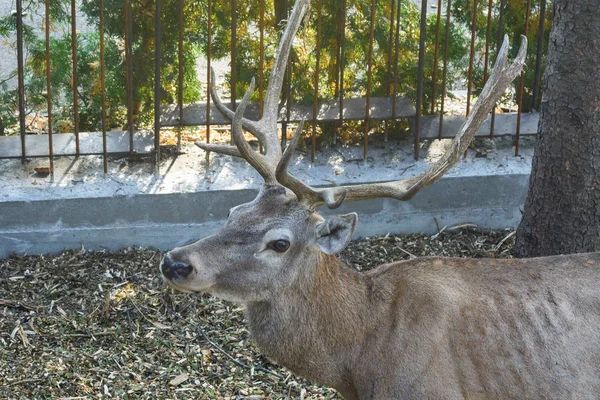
[174, 271]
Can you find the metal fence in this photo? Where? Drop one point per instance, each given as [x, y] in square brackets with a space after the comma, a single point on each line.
[388, 108]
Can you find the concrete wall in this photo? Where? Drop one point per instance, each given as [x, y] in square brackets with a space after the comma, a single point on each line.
[168, 220]
[189, 198]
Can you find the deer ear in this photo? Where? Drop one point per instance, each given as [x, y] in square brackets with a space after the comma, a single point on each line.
[334, 234]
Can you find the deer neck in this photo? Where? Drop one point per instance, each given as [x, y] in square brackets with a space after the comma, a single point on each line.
[314, 328]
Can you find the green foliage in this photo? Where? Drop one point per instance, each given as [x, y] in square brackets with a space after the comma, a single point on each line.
[356, 50]
[7, 116]
[195, 39]
[88, 64]
[514, 26]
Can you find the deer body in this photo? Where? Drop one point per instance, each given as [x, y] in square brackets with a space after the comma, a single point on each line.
[428, 328]
[435, 328]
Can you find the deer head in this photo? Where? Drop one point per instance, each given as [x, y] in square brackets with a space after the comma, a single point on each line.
[276, 241]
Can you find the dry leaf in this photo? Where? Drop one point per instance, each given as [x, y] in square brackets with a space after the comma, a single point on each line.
[160, 325]
[179, 379]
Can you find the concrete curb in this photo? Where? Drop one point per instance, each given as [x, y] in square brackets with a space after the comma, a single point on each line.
[164, 221]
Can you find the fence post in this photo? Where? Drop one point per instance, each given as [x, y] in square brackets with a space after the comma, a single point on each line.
[157, 59]
[20, 79]
[421, 70]
[48, 88]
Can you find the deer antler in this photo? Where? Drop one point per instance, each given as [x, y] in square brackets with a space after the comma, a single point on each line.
[264, 130]
[272, 165]
[502, 75]
[333, 197]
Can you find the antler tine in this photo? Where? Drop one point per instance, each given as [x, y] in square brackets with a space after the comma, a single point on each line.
[249, 125]
[503, 74]
[220, 148]
[265, 130]
[268, 123]
[306, 194]
[277, 73]
[242, 148]
[258, 161]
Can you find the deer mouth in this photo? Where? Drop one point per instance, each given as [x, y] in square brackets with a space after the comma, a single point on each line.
[175, 286]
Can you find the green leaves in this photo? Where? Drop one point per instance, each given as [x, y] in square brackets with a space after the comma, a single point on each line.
[195, 39]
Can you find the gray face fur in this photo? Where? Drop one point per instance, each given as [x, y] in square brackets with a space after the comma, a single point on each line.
[244, 261]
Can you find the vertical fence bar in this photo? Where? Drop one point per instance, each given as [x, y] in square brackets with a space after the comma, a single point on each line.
[488, 33]
[445, 69]
[316, 90]
[369, 78]
[435, 55]
[499, 39]
[233, 54]
[180, 72]
[74, 77]
[396, 57]
[338, 46]
[341, 23]
[471, 55]
[421, 70]
[288, 100]
[20, 78]
[390, 54]
[129, 70]
[286, 87]
[103, 89]
[486, 61]
[157, 59]
[208, 72]
[521, 86]
[49, 89]
[538, 58]
[342, 62]
[261, 61]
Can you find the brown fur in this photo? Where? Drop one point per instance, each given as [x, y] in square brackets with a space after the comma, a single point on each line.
[421, 329]
[442, 328]
[428, 328]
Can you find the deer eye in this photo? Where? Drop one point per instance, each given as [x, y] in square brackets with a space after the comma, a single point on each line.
[280, 246]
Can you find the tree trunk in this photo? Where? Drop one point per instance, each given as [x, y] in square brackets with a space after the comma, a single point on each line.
[281, 11]
[562, 209]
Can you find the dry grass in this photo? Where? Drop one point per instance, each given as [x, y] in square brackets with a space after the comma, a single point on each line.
[85, 325]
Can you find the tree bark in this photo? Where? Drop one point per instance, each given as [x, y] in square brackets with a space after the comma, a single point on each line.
[562, 209]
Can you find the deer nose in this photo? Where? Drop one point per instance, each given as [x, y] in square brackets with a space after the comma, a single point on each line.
[174, 270]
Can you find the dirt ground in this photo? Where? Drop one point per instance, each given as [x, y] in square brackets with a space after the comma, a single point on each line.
[90, 325]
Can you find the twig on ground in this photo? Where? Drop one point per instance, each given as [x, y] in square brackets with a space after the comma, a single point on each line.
[439, 232]
[233, 359]
[23, 381]
[463, 226]
[225, 353]
[130, 324]
[411, 255]
[504, 240]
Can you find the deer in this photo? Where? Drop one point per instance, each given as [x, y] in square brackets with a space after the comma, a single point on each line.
[424, 328]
